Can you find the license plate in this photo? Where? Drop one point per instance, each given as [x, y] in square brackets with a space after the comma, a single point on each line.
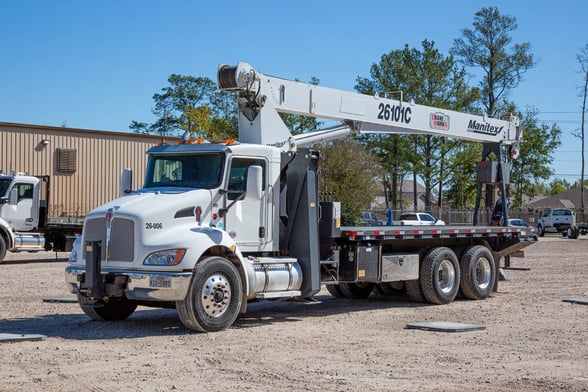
[160, 281]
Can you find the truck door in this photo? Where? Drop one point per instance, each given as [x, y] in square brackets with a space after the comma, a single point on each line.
[248, 218]
[22, 213]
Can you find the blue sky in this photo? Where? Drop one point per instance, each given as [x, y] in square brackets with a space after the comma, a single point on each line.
[97, 64]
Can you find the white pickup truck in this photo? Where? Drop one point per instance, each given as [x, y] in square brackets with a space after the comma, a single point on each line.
[419, 219]
[556, 220]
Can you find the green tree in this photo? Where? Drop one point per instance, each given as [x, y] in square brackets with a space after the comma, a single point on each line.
[429, 78]
[582, 58]
[536, 155]
[486, 46]
[347, 175]
[461, 186]
[192, 104]
[558, 186]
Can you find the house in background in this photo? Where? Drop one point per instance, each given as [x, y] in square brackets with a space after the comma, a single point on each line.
[568, 199]
[379, 202]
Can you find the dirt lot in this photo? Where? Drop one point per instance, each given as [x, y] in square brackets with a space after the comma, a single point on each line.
[533, 341]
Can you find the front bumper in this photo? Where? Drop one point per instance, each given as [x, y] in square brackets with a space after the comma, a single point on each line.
[139, 286]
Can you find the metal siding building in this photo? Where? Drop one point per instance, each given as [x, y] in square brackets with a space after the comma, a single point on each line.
[84, 165]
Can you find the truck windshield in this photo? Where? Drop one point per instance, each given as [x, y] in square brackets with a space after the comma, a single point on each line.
[4, 185]
[193, 171]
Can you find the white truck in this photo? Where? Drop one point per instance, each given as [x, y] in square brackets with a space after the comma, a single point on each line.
[219, 225]
[24, 222]
[558, 220]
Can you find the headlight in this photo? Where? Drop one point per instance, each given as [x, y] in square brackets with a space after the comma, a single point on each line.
[165, 257]
[73, 256]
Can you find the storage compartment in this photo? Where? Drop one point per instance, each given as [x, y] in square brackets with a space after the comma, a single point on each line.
[359, 263]
[400, 266]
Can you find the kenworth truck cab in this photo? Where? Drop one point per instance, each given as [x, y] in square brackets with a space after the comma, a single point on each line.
[219, 225]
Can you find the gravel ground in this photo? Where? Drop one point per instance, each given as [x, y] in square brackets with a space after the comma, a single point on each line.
[533, 340]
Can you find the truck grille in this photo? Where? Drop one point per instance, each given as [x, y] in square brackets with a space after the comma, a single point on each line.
[122, 240]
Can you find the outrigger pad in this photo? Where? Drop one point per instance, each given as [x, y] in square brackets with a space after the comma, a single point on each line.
[444, 326]
[581, 301]
[64, 299]
[20, 337]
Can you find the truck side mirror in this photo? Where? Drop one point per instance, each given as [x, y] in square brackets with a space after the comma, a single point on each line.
[126, 181]
[13, 197]
[254, 182]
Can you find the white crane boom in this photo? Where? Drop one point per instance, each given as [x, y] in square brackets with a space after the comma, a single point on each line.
[262, 98]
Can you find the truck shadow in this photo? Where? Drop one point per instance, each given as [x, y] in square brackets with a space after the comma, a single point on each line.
[271, 312]
[147, 322]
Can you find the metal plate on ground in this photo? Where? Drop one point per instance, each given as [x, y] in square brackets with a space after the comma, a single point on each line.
[20, 337]
[65, 299]
[581, 301]
[445, 326]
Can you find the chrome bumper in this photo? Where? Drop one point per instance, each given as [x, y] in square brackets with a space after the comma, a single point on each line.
[140, 286]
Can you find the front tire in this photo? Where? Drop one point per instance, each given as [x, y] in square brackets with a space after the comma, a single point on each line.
[214, 298]
[116, 309]
[540, 231]
[477, 272]
[2, 248]
[439, 276]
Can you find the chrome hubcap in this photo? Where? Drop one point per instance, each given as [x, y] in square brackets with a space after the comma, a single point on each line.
[446, 276]
[216, 295]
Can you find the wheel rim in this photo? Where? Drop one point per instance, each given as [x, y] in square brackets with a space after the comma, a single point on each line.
[483, 272]
[446, 276]
[216, 295]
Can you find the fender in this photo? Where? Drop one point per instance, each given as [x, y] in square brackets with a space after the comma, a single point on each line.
[6, 232]
[209, 242]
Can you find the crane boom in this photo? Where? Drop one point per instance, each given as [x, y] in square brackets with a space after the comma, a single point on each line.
[263, 97]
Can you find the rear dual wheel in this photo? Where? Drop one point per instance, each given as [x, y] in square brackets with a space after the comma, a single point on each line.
[478, 272]
[360, 290]
[439, 276]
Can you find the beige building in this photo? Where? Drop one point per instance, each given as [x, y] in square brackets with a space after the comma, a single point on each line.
[84, 165]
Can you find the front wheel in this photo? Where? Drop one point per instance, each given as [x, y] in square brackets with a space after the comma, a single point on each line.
[116, 309]
[214, 297]
[2, 248]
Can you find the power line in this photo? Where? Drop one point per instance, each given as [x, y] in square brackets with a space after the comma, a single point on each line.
[578, 112]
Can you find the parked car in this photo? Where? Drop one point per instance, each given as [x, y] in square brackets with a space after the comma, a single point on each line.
[369, 219]
[518, 223]
[419, 219]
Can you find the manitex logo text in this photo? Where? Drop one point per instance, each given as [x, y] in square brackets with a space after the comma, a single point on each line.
[484, 127]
